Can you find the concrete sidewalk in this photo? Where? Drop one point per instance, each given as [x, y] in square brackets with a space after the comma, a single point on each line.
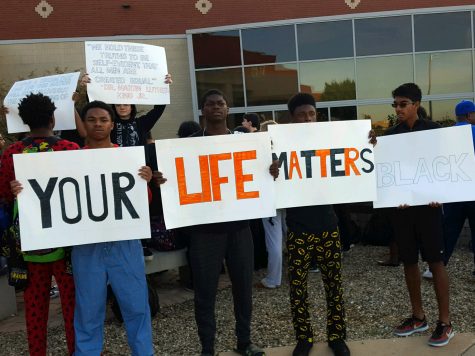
[461, 344]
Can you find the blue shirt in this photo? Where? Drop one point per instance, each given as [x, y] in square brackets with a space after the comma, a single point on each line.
[460, 123]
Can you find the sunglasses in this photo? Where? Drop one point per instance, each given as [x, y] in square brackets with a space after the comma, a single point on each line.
[402, 104]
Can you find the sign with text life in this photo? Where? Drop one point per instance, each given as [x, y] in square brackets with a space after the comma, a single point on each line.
[323, 163]
[59, 88]
[127, 73]
[418, 168]
[81, 197]
[214, 179]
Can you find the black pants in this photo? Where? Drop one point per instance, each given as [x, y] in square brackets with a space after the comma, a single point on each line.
[325, 246]
[207, 251]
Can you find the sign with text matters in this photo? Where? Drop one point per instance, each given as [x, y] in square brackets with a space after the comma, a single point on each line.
[81, 197]
[213, 179]
[418, 168]
[127, 73]
[323, 163]
[59, 88]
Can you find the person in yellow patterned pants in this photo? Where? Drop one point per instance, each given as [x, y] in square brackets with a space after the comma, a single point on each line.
[313, 233]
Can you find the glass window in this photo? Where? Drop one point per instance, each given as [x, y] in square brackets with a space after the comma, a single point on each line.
[442, 31]
[382, 116]
[269, 85]
[343, 113]
[282, 117]
[268, 45]
[324, 40]
[234, 120]
[322, 114]
[229, 81]
[217, 49]
[378, 77]
[442, 110]
[383, 35]
[329, 80]
[443, 73]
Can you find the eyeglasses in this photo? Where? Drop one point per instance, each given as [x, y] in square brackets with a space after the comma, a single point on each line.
[402, 104]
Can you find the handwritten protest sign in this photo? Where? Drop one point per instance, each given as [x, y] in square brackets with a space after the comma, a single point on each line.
[216, 178]
[81, 197]
[428, 166]
[323, 163]
[127, 73]
[59, 88]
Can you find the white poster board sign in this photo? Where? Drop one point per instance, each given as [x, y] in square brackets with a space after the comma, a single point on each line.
[215, 179]
[418, 168]
[59, 88]
[127, 73]
[323, 163]
[87, 196]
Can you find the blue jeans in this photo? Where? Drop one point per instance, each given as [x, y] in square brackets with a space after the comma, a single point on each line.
[454, 219]
[121, 265]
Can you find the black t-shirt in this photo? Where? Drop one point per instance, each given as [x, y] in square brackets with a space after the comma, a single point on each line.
[311, 219]
[419, 125]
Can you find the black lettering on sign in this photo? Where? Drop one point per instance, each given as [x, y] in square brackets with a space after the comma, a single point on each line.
[66, 219]
[371, 164]
[336, 162]
[104, 200]
[282, 159]
[120, 195]
[45, 199]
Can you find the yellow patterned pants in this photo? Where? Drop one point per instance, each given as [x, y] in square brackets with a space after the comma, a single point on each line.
[325, 248]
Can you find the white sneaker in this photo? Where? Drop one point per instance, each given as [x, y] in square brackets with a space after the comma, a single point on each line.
[427, 274]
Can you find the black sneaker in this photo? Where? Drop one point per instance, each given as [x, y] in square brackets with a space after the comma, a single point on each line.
[250, 350]
[339, 347]
[302, 348]
[147, 254]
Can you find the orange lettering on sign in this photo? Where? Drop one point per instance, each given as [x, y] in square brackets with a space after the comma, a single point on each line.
[294, 164]
[216, 180]
[205, 195]
[350, 161]
[323, 154]
[240, 178]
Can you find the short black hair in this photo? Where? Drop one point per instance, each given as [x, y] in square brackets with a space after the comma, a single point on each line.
[408, 90]
[300, 99]
[36, 110]
[99, 105]
[209, 93]
[188, 128]
[254, 119]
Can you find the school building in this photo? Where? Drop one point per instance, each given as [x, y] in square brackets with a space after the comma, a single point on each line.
[349, 54]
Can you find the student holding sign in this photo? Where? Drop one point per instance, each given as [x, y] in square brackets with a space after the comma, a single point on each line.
[313, 233]
[211, 243]
[130, 130]
[118, 263]
[37, 111]
[419, 229]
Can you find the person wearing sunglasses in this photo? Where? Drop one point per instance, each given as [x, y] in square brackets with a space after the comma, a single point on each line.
[418, 229]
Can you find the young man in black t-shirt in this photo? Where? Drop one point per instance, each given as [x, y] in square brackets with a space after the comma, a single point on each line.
[313, 233]
[419, 229]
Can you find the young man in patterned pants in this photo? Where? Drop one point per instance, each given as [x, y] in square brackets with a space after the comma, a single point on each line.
[313, 233]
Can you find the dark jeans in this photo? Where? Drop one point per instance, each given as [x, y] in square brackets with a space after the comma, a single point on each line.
[207, 251]
[454, 219]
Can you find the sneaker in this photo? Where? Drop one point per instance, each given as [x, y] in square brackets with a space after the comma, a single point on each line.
[410, 326]
[250, 350]
[54, 292]
[427, 274]
[441, 335]
[147, 254]
[339, 347]
[302, 348]
[264, 284]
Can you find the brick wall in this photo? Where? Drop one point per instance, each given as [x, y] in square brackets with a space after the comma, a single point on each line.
[86, 18]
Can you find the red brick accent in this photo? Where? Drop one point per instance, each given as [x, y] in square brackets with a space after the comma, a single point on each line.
[85, 18]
